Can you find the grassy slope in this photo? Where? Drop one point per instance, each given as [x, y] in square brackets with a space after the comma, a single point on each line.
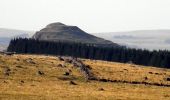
[54, 85]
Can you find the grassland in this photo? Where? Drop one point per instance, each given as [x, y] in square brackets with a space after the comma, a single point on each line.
[38, 77]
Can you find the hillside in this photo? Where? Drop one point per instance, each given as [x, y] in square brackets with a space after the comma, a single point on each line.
[4, 41]
[61, 32]
[116, 54]
[148, 39]
[50, 78]
[7, 34]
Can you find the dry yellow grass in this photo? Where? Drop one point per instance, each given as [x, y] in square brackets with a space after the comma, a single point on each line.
[24, 82]
[129, 72]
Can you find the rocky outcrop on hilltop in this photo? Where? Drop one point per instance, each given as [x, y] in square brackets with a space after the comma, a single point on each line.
[64, 33]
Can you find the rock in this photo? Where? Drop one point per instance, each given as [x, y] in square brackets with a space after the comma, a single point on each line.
[19, 66]
[69, 70]
[30, 61]
[7, 74]
[168, 79]
[88, 66]
[5, 82]
[85, 69]
[72, 83]
[166, 95]
[18, 59]
[59, 65]
[150, 72]
[68, 61]
[22, 81]
[66, 73]
[60, 58]
[156, 73]
[40, 73]
[101, 89]
[7, 71]
[146, 78]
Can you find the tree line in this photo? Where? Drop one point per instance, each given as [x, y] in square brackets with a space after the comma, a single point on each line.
[159, 58]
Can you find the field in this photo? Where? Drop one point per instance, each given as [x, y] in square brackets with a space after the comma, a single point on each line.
[39, 77]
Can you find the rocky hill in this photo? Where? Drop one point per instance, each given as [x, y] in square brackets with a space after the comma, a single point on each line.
[61, 32]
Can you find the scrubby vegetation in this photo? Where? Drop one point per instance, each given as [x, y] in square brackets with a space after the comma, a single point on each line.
[53, 78]
[117, 54]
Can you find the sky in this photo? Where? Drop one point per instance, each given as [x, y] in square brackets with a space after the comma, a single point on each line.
[93, 16]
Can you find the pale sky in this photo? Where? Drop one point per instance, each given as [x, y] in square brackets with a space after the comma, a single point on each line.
[90, 15]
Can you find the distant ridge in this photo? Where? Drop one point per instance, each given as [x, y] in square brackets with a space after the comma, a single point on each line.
[5, 32]
[157, 39]
[61, 32]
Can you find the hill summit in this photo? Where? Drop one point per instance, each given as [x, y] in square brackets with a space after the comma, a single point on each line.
[65, 33]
